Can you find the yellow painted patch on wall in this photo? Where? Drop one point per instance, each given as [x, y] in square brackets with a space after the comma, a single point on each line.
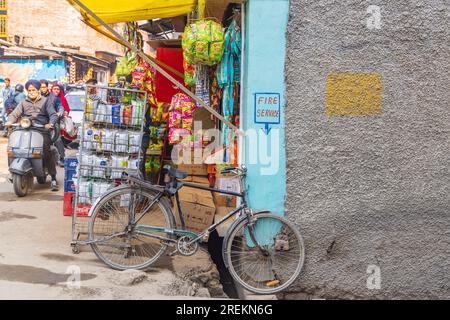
[354, 94]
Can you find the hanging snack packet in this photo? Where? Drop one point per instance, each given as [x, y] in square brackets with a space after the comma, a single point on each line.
[127, 115]
[84, 191]
[116, 115]
[188, 43]
[87, 138]
[108, 139]
[136, 112]
[187, 109]
[86, 161]
[176, 135]
[96, 136]
[133, 165]
[122, 142]
[203, 30]
[135, 139]
[187, 124]
[109, 112]
[201, 52]
[216, 51]
[99, 189]
[99, 169]
[119, 165]
[100, 115]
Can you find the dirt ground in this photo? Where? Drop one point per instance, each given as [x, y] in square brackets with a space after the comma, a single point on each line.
[36, 259]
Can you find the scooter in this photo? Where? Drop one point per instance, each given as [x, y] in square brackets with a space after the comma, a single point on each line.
[26, 154]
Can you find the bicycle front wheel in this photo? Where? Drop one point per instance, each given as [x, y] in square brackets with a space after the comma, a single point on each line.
[276, 266]
[115, 231]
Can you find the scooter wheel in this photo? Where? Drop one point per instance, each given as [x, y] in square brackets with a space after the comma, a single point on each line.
[21, 185]
[41, 180]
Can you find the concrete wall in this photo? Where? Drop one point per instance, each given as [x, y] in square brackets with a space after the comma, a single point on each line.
[55, 23]
[368, 178]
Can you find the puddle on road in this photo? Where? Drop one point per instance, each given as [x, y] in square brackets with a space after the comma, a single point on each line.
[33, 275]
[8, 216]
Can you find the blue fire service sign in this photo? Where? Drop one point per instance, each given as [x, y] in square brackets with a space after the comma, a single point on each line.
[267, 109]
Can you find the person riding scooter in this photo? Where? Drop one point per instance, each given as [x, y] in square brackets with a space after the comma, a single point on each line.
[37, 108]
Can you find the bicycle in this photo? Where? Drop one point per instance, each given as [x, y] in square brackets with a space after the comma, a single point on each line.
[132, 226]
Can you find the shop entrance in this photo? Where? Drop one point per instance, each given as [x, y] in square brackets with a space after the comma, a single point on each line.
[193, 84]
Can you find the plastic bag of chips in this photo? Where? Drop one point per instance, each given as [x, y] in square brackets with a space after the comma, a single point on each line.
[188, 43]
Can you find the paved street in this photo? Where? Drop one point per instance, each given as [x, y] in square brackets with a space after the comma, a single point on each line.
[35, 255]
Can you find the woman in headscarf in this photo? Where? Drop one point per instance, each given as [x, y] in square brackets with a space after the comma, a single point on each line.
[62, 106]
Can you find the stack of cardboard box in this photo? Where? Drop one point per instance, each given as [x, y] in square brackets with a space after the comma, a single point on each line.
[197, 205]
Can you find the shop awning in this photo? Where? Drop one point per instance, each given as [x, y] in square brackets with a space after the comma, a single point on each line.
[115, 11]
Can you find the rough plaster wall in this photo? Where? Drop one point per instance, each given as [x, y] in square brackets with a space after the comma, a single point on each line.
[371, 190]
[43, 22]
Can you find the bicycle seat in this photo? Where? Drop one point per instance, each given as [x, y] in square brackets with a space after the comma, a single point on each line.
[176, 173]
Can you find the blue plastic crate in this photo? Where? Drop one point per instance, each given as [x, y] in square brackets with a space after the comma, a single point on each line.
[70, 164]
[69, 186]
[69, 175]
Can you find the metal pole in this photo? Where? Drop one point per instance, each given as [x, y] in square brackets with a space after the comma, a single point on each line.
[158, 68]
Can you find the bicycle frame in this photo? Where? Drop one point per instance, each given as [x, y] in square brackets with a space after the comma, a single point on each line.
[196, 237]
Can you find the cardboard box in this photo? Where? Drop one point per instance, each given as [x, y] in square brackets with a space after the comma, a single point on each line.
[194, 169]
[222, 200]
[201, 181]
[191, 163]
[222, 212]
[230, 184]
[198, 209]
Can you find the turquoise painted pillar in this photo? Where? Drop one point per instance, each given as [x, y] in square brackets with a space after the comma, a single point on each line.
[263, 111]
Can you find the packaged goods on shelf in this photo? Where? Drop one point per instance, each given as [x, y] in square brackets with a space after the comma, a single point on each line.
[134, 142]
[108, 140]
[121, 142]
[84, 191]
[98, 189]
[100, 165]
[119, 164]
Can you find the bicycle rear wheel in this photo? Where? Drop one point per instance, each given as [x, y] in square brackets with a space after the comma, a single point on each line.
[275, 269]
[122, 247]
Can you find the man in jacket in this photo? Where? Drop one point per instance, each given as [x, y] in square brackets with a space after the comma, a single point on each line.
[36, 107]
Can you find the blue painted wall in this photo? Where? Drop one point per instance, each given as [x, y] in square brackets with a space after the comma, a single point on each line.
[265, 48]
[21, 70]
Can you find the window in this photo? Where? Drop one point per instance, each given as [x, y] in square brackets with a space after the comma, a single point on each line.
[3, 26]
[3, 4]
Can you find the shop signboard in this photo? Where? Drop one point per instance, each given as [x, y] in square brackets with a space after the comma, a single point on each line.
[267, 109]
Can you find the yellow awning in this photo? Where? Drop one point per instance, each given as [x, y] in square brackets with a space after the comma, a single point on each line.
[115, 11]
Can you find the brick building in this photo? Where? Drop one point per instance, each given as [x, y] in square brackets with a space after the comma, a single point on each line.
[54, 29]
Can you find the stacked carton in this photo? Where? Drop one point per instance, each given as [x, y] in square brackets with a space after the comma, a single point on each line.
[197, 205]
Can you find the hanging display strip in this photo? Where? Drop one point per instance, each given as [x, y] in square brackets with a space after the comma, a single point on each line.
[110, 147]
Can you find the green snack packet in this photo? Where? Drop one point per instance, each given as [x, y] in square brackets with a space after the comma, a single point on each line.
[201, 52]
[189, 79]
[217, 34]
[188, 44]
[216, 52]
[203, 30]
